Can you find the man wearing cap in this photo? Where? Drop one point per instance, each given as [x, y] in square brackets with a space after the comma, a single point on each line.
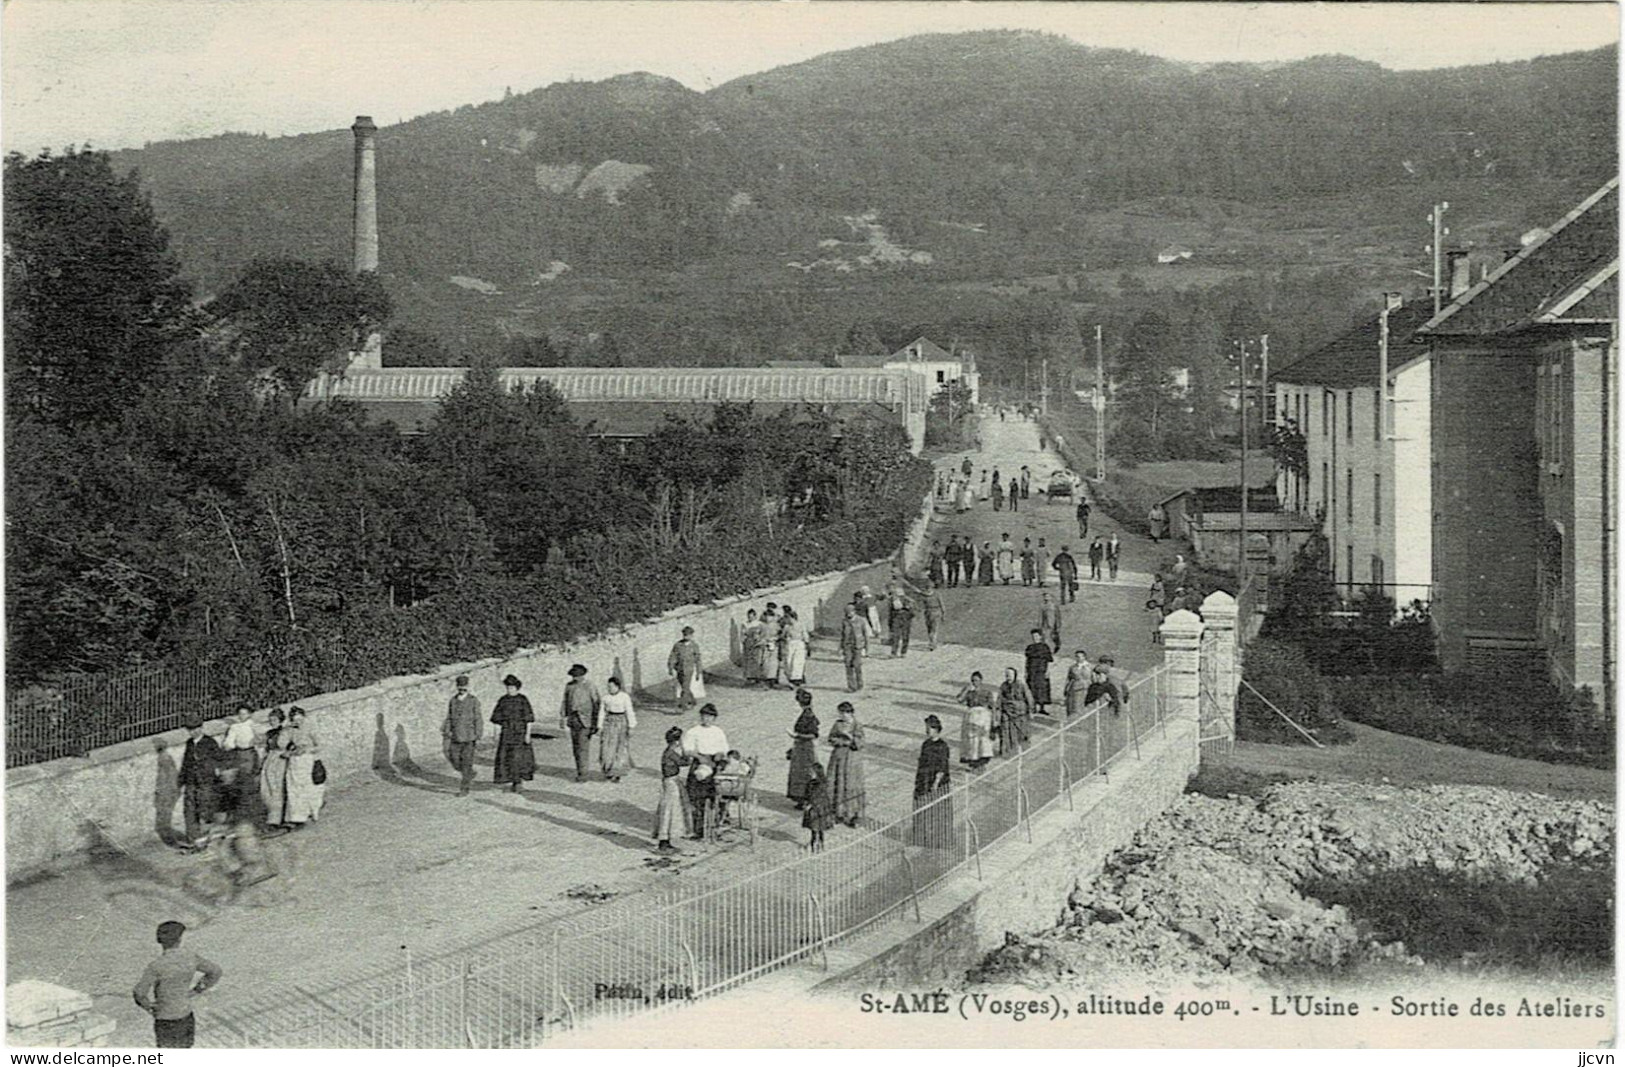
[1067, 567]
[684, 664]
[705, 745]
[463, 729]
[854, 643]
[200, 790]
[166, 988]
[579, 714]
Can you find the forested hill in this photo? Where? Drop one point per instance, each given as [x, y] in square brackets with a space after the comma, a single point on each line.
[979, 155]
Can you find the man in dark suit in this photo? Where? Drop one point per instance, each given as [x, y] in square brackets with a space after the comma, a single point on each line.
[200, 789]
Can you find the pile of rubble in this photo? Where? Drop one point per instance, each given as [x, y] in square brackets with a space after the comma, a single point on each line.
[1213, 885]
[41, 1014]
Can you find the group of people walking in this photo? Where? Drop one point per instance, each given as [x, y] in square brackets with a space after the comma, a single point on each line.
[903, 601]
[998, 721]
[245, 787]
[827, 792]
[275, 779]
[962, 492]
[774, 645]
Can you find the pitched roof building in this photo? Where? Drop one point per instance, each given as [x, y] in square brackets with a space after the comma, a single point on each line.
[1524, 445]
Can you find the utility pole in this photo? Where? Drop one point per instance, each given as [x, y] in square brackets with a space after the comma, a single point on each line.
[1241, 405]
[1390, 303]
[1440, 232]
[1266, 406]
[1100, 407]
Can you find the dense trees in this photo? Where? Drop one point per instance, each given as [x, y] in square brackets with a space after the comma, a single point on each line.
[92, 298]
[285, 320]
[167, 498]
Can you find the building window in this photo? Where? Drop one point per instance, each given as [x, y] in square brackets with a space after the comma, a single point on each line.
[1376, 498]
[1349, 500]
[1348, 553]
[1325, 414]
[1325, 488]
[1376, 413]
[1378, 578]
[942, 376]
[1348, 416]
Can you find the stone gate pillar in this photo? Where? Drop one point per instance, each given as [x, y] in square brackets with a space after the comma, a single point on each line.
[1221, 663]
[1182, 644]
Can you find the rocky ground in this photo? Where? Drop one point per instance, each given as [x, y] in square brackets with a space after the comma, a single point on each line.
[1225, 885]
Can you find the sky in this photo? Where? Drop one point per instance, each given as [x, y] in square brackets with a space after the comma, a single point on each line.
[118, 73]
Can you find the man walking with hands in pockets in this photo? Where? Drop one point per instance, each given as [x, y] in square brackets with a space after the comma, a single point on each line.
[463, 729]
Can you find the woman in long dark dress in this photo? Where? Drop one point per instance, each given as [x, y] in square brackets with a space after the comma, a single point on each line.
[984, 564]
[802, 753]
[933, 808]
[846, 788]
[1039, 657]
[1015, 705]
[516, 761]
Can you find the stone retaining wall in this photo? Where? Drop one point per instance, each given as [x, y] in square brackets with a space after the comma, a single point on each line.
[127, 793]
[1023, 887]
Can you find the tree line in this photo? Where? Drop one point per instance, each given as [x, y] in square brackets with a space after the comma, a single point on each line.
[170, 496]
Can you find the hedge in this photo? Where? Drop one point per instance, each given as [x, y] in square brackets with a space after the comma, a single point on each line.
[1518, 715]
[602, 584]
[1285, 677]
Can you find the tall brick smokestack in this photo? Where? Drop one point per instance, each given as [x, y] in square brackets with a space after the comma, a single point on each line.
[365, 258]
[366, 195]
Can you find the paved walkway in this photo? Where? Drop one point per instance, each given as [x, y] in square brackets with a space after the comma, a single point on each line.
[399, 867]
[1109, 616]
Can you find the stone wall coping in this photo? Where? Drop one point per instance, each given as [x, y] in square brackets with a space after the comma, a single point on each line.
[144, 746]
[1182, 623]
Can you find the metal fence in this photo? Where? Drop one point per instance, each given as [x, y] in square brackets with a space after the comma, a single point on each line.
[78, 715]
[651, 951]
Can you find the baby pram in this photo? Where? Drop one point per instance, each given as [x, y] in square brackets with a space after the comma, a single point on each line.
[736, 800]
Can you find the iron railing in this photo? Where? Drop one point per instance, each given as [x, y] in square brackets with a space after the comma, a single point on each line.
[650, 951]
[80, 714]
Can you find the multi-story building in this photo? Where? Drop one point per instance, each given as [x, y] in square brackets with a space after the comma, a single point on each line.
[1491, 495]
[1525, 439]
[1367, 482]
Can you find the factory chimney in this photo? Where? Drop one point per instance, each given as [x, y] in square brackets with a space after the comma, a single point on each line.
[366, 225]
[366, 195]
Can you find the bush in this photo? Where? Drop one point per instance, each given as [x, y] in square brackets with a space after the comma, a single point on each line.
[1132, 441]
[1127, 499]
[1523, 715]
[1564, 920]
[1284, 676]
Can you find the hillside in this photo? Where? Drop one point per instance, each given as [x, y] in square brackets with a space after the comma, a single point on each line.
[961, 160]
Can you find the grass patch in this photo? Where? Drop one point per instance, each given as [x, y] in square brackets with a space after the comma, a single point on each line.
[1221, 781]
[1283, 674]
[1520, 716]
[1563, 920]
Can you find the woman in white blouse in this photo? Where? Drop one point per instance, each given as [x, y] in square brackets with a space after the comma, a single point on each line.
[615, 727]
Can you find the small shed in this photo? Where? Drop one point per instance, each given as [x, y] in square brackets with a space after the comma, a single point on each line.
[1189, 505]
[1216, 537]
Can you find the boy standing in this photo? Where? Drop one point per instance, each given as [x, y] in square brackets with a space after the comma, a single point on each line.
[169, 983]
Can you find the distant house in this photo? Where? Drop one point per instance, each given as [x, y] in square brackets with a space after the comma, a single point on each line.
[929, 360]
[1173, 254]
